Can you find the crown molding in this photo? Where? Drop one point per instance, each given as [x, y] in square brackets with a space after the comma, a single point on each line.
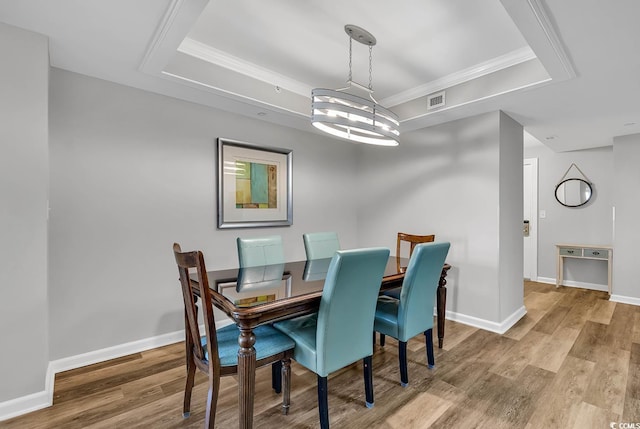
[499, 63]
[173, 27]
[534, 22]
[231, 94]
[540, 13]
[220, 58]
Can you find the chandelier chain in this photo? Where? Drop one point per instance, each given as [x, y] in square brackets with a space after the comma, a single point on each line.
[370, 67]
[350, 75]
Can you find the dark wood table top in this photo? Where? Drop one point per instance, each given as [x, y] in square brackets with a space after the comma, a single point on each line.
[256, 295]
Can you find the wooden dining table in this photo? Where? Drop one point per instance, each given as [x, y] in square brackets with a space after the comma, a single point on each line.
[257, 295]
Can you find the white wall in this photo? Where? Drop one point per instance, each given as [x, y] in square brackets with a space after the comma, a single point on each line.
[132, 172]
[626, 177]
[589, 224]
[446, 180]
[23, 212]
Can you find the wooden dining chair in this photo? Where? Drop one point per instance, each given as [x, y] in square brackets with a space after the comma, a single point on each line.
[412, 313]
[320, 245]
[340, 333]
[216, 352]
[412, 240]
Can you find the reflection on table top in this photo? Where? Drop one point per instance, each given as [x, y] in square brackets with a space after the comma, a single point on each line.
[252, 286]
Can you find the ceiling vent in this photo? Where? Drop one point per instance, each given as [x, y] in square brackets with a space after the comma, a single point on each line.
[435, 100]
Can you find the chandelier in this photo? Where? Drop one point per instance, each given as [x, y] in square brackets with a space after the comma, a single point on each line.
[352, 117]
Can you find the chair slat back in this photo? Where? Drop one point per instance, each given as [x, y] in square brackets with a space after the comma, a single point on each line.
[320, 245]
[347, 307]
[190, 263]
[413, 240]
[418, 292]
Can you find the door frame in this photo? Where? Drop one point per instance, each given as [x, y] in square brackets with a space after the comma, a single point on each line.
[533, 222]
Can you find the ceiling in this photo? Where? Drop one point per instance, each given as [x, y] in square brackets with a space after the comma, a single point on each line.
[567, 70]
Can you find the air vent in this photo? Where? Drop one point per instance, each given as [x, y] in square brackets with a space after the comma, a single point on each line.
[435, 100]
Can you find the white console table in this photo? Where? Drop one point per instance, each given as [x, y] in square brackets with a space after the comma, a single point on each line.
[581, 251]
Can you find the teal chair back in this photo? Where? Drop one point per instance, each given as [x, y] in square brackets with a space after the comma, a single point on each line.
[419, 289]
[347, 308]
[320, 245]
[253, 252]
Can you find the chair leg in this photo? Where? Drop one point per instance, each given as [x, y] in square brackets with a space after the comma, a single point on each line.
[402, 357]
[382, 340]
[368, 381]
[212, 401]
[431, 360]
[286, 382]
[323, 402]
[276, 376]
[191, 368]
[191, 373]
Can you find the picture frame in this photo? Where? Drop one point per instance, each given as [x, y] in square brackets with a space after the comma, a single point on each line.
[254, 185]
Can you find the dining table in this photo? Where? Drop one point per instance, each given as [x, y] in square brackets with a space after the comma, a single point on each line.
[254, 296]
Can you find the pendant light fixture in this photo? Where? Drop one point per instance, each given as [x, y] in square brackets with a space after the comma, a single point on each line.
[352, 117]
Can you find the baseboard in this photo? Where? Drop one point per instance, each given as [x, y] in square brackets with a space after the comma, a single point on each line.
[572, 283]
[84, 359]
[625, 299]
[487, 325]
[26, 404]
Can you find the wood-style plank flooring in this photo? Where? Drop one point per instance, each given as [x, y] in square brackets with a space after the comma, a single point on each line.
[572, 362]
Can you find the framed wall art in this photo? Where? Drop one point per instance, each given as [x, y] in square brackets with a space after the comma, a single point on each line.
[254, 185]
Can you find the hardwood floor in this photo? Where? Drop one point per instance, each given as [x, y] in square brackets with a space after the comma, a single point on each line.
[572, 362]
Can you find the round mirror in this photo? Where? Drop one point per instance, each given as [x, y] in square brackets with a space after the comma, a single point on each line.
[573, 192]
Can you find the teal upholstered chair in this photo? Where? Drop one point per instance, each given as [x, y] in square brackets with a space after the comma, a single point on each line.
[320, 245]
[258, 251]
[412, 313]
[216, 353]
[340, 333]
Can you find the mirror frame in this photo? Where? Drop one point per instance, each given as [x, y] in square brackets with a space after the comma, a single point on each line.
[579, 180]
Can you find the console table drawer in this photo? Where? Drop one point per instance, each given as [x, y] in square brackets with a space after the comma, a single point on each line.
[596, 253]
[583, 251]
[571, 251]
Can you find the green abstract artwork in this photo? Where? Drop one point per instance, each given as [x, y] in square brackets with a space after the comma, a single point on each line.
[256, 185]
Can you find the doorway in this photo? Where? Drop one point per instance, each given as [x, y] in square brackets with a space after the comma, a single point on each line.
[530, 213]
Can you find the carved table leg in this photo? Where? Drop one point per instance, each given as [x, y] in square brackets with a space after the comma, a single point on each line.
[246, 377]
[286, 391]
[441, 303]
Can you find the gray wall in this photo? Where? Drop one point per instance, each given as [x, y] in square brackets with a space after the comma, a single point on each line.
[626, 173]
[511, 291]
[589, 224]
[132, 172]
[446, 180]
[23, 212]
